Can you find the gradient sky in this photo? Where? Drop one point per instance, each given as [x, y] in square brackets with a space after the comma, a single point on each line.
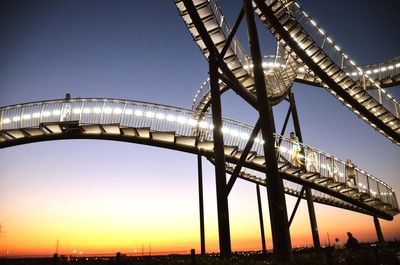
[103, 196]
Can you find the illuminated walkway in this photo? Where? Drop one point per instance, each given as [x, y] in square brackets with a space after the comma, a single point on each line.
[175, 128]
[305, 53]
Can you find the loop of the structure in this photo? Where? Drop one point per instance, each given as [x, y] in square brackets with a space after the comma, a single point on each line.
[311, 57]
[278, 79]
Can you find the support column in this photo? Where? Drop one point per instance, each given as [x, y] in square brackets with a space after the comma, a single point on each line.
[260, 215]
[276, 195]
[201, 205]
[222, 199]
[309, 198]
[378, 229]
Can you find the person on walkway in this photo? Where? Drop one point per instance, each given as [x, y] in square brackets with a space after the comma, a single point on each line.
[67, 108]
[294, 141]
[350, 174]
[312, 160]
[332, 168]
[352, 242]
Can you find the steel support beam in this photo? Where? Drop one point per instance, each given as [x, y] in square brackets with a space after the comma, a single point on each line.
[260, 216]
[243, 157]
[276, 196]
[222, 198]
[201, 205]
[309, 198]
[379, 233]
[231, 36]
[296, 206]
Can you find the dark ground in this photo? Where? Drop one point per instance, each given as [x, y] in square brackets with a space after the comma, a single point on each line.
[366, 255]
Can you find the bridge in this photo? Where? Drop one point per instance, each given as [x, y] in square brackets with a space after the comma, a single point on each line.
[175, 128]
[305, 54]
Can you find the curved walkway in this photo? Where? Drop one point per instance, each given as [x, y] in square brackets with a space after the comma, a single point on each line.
[175, 128]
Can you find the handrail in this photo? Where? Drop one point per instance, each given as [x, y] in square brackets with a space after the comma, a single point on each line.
[341, 59]
[278, 80]
[377, 71]
[167, 118]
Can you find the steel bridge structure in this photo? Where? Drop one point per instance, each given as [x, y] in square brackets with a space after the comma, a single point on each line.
[305, 54]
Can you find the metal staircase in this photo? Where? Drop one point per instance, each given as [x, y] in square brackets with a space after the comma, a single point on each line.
[308, 43]
[278, 79]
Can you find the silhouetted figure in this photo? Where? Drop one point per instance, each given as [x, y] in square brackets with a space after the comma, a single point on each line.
[67, 108]
[352, 242]
[338, 245]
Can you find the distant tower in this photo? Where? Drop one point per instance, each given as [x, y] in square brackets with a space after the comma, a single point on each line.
[57, 245]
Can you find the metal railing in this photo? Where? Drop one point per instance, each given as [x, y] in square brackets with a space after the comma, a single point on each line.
[335, 53]
[376, 72]
[279, 76]
[164, 118]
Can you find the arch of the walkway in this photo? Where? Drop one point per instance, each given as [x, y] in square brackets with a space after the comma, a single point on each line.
[175, 128]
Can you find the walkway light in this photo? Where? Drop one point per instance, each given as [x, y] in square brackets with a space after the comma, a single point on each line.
[203, 124]
[225, 130]
[87, 110]
[128, 112]
[117, 110]
[6, 121]
[46, 113]
[138, 112]
[26, 117]
[74, 111]
[244, 136]
[36, 115]
[171, 117]
[192, 122]
[160, 116]
[234, 133]
[150, 114]
[107, 110]
[16, 118]
[181, 120]
[97, 110]
[56, 112]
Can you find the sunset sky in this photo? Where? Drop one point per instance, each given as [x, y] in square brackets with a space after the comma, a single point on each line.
[102, 196]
